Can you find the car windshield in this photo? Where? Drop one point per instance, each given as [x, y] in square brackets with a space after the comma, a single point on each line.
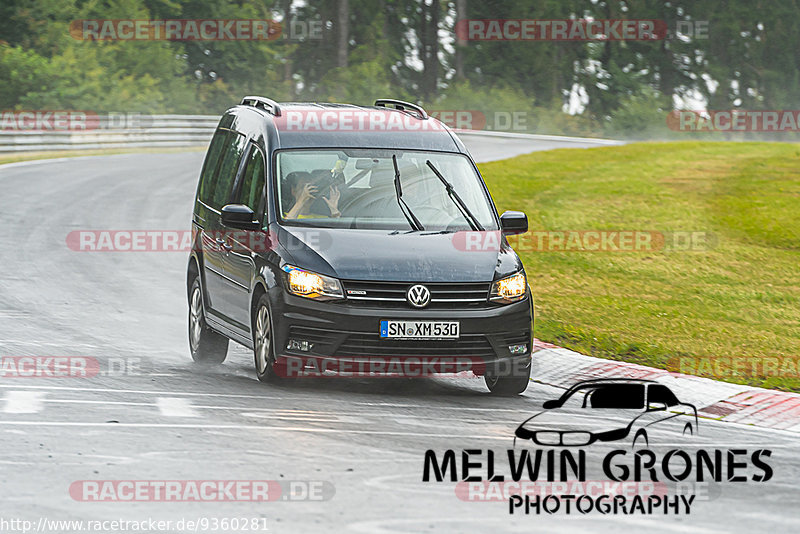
[357, 189]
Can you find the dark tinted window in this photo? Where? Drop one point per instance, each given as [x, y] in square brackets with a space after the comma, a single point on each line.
[659, 393]
[619, 396]
[207, 177]
[252, 188]
[223, 180]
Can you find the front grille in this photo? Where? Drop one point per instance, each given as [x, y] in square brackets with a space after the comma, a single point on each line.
[365, 345]
[393, 294]
[359, 344]
[555, 438]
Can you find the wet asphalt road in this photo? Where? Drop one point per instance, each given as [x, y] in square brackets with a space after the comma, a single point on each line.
[159, 417]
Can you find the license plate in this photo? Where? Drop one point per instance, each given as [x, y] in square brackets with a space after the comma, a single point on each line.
[420, 329]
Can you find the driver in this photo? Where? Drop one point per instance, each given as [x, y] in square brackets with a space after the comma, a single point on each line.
[303, 192]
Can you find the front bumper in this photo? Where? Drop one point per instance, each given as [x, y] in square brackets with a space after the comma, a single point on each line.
[343, 332]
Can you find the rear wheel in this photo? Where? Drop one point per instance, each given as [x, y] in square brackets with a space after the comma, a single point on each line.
[508, 382]
[206, 346]
[267, 369]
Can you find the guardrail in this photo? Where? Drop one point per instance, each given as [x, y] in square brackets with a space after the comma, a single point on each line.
[153, 131]
[539, 137]
[115, 131]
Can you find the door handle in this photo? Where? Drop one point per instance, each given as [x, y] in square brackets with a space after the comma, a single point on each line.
[223, 245]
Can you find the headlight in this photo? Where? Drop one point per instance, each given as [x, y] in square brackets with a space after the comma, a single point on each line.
[509, 289]
[312, 285]
[613, 435]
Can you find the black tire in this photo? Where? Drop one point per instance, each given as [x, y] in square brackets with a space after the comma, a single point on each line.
[641, 434]
[267, 368]
[206, 346]
[508, 382]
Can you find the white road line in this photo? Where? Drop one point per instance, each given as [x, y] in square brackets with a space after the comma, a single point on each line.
[110, 426]
[101, 402]
[175, 407]
[648, 524]
[148, 392]
[321, 419]
[772, 519]
[436, 407]
[298, 415]
[795, 428]
[24, 402]
[14, 313]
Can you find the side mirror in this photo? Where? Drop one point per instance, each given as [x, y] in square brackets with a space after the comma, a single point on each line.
[549, 405]
[514, 222]
[656, 406]
[239, 216]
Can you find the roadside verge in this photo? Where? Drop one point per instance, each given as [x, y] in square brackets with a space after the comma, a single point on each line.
[722, 401]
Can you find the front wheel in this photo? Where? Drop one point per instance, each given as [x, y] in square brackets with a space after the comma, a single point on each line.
[640, 438]
[507, 383]
[267, 369]
[206, 346]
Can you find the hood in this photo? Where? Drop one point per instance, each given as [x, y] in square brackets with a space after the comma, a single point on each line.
[394, 255]
[583, 420]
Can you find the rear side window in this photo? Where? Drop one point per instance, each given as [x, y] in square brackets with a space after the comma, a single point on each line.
[659, 393]
[223, 181]
[252, 188]
[208, 176]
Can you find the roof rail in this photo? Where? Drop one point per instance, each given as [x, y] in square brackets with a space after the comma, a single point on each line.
[268, 105]
[401, 106]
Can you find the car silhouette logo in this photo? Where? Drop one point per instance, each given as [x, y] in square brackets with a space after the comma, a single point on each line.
[604, 410]
[418, 296]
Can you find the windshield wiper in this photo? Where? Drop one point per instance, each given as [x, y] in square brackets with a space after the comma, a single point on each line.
[412, 219]
[451, 192]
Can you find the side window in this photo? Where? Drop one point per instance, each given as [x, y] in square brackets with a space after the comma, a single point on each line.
[659, 393]
[234, 146]
[208, 176]
[252, 188]
[618, 396]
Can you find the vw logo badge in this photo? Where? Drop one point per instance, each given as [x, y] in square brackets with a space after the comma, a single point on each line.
[418, 296]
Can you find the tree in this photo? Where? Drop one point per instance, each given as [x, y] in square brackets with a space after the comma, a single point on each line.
[342, 33]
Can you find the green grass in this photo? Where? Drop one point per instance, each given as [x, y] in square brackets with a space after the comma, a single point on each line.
[739, 298]
[30, 156]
